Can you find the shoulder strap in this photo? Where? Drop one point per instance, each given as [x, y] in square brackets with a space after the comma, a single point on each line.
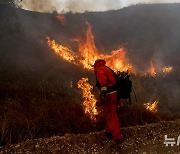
[113, 74]
[112, 71]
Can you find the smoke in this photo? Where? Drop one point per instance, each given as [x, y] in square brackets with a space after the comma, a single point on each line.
[39, 6]
[63, 6]
[149, 36]
[69, 5]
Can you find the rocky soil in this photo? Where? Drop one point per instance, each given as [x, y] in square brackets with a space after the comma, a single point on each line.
[147, 139]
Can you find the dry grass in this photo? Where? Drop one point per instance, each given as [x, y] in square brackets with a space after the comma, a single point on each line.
[36, 99]
[32, 107]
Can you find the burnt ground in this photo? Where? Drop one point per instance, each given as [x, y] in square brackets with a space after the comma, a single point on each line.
[139, 139]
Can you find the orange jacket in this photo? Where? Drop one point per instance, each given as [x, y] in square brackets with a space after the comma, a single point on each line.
[104, 76]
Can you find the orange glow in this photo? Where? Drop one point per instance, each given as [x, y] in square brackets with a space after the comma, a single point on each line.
[85, 57]
[87, 49]
[88, 54]
[62, 19]
[152, 69]
[153, 72]
[64, 52]
[117, 60]
[89, 99]
[152, 106]
[167, 69]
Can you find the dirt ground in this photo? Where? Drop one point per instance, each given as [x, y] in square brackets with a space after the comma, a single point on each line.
[147, 139]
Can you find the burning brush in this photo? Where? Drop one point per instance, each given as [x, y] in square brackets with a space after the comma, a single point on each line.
[86, 56]
[152, 107]
[88, 53]
[89, 99]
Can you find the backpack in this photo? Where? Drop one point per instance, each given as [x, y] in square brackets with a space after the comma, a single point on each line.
[123, 84]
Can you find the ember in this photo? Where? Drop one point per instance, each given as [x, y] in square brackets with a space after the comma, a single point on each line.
[167, 69]
[152, 106]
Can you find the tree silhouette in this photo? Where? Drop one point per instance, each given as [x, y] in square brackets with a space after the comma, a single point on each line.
[9, 2]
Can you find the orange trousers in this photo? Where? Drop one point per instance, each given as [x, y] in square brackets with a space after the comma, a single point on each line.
[112, 121]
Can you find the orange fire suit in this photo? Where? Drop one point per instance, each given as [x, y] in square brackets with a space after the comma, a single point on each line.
[107, 79]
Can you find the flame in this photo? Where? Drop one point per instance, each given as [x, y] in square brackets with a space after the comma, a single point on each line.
[153, 72]
[117, 60]
[88, 54]
[152, 69]
[167, 69]
[152, 106]
[62, 19]
[89, 99]
[87, 49]
[62, 51]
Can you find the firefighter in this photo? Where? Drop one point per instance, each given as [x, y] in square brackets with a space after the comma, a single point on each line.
[108, 98]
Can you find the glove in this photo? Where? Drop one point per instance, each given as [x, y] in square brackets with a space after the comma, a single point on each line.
[102, 99]
[98, 103]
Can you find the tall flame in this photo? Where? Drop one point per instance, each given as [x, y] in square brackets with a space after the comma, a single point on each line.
[88, 53]
[89, 98]
[152, 69]
[87, 49]
[117, 60]
[152, 106]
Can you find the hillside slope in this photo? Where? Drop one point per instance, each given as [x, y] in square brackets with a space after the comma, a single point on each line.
[147, 31]
[140, 139]
[38, 89]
